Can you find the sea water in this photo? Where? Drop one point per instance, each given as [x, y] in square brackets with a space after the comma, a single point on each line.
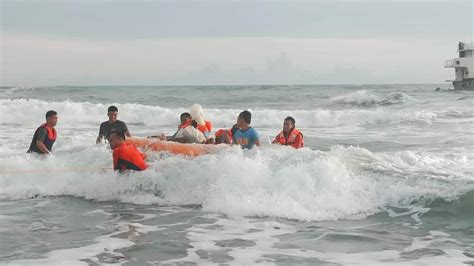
[386, 178]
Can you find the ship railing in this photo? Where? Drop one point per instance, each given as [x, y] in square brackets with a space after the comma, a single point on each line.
[467, 46]
[450, 63]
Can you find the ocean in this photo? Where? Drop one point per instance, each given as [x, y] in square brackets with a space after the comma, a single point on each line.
[386, 178]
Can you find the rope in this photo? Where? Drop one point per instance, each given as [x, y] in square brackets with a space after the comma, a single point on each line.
[56, 170]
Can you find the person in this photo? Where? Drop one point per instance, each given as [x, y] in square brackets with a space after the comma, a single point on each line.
[246, 136]
[225, 135]
[202, 125]
[289, 136]
[45, 135]
[112, 125]
[125, 156]
[187, 132]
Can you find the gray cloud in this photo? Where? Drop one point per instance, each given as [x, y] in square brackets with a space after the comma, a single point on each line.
[210, 42]
[278, 71]
[168, 19]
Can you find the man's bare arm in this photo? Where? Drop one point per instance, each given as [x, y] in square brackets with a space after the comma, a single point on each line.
[40, 145]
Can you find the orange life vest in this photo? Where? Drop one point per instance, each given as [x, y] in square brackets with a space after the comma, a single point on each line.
[126, 156]
[291, 138]
[207, 127]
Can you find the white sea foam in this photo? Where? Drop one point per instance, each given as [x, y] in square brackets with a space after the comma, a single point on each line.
[366, 98]
[79, 113]
[271, 181]
[106, 244]
[343, 182]
[262, 239]
[417, 152]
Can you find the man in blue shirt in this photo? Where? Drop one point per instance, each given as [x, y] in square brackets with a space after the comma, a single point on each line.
[246, 136]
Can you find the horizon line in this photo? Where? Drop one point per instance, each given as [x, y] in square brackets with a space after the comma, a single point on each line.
[225, 85]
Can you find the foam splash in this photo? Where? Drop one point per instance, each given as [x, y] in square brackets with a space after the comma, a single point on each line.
[365, 98]
[106, 246]
[156, 116]
[271, 181]
[249, 242]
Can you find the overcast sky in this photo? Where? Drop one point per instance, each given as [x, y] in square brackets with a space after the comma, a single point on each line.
[230, 42]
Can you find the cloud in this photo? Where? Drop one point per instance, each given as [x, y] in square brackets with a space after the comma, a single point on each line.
[119, 20]
[278, 70]
[229, 42]
[34, 60]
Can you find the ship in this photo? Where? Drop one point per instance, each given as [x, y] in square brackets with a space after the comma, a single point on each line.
[463, 67]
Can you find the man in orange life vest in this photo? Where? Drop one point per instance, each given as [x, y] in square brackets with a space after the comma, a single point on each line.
[126, 156]
[289, 135]
[45, 135]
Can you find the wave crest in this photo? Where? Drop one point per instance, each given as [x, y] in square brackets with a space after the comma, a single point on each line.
[365, 98]
[156, 116]
[271, 181]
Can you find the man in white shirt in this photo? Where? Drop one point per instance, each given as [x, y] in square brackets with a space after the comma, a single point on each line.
[186, 133]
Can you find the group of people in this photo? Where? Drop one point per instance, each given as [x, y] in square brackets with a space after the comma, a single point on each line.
[193, 128]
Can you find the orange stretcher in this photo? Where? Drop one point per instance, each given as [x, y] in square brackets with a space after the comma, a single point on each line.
[153, 144]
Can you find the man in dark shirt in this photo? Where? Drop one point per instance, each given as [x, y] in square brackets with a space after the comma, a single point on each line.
[112, 125]
[45, 135]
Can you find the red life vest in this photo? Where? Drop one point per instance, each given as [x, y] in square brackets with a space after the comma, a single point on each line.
[207, 127]
[51, 132]
[48, 140]
[220, 134]
[185, 124]
[127, 156]
[280, 138]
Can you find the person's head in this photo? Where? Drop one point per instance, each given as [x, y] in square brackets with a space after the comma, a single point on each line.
[112, 113]
[51, 118]
[115, 139]
[244, 119]
[184, 117]
[288, 124]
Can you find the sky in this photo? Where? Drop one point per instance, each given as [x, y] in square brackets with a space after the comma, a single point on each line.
[104, 42]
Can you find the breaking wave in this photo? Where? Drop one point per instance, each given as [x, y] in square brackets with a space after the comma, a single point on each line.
[90, 113]
[344, 182]
[368, 99]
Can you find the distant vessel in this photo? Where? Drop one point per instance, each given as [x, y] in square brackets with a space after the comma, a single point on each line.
[463, 66]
